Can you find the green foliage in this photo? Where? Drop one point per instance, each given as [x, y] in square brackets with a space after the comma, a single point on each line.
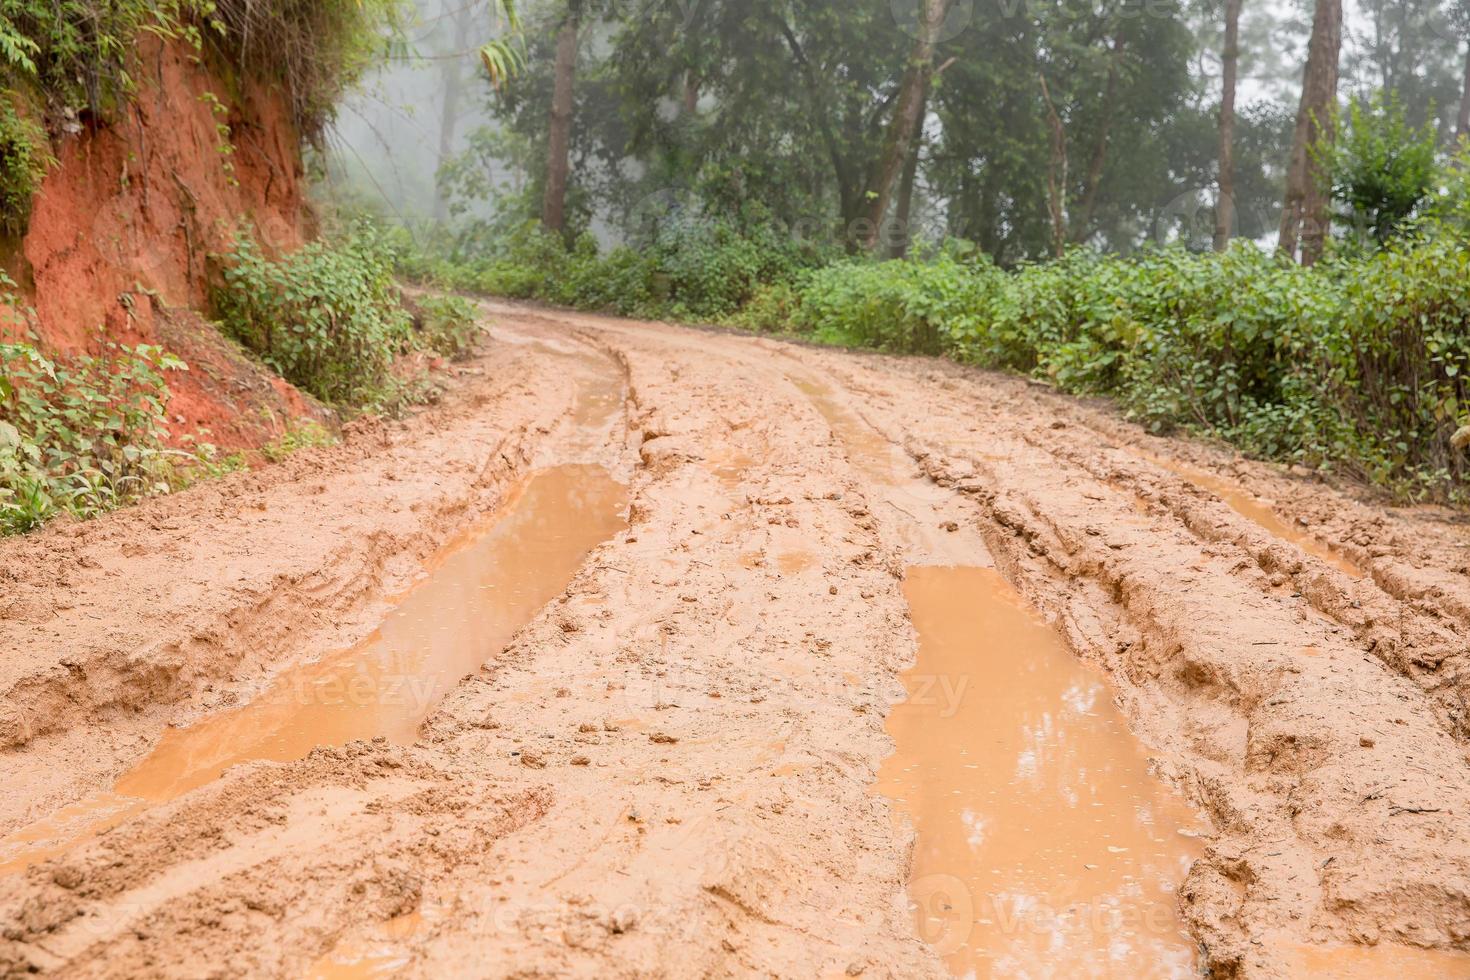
[60, 59]
[83, 435]
[1397, 359]
[1357, 364]
[327, 318]
[772, 308]
[298, 436]
[315, 48]
[24, 159]
[79, 51]
[1382, 168]
[689, 269]
[1450, 207]
[907, 307]
[446, 325]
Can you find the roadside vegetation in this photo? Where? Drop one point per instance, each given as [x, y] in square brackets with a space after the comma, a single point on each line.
[331, 319]
[83, 435]
[1355, 364]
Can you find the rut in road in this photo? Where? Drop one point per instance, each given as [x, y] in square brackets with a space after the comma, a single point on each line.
[671, 768]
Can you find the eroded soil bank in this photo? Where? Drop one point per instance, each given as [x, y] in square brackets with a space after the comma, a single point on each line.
[667, 761]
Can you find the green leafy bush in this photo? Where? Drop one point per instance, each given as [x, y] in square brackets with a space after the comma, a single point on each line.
[327, 318]
[1357, 364]
[296, 437]
[446, 325]
[25, 156]
[1382, 168]
[916, 308]
[83, 435]
[690, 269]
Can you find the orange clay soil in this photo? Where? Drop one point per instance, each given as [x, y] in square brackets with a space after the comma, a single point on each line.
[660, 652]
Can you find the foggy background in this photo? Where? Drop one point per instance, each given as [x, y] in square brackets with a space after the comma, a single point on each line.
[433, 101]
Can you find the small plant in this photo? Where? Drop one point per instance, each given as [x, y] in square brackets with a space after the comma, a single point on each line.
[225, 135]
[447, 325]
[25, 156]
[327, 318]
[1383, 170]
[298, 436]
[83, 435]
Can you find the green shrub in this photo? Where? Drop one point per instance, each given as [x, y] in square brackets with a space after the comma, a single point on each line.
[1382, 168]
[691, 269]
[25, 156]
[327, 318]
[80, 51]
[298, 436]
[1357, 364]
[446, 325]
[85, 434]
[772, 308]
[1396, 362]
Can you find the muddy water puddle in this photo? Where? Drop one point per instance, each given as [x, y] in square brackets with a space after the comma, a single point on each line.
[1257, 511]
[475, 598]
[1045, 847]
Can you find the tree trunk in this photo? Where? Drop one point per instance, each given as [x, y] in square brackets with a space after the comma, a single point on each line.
[848, 182]
[904, 209]
[1225, 202]
[691, 93]
[907, 116]
[559, 137]
[1083, 220]
[1306, 216]
[1056, 174]
[1464, 127]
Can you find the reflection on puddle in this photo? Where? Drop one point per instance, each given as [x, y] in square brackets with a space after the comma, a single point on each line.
[474, 600]
[1045, 847]
[1257, 511]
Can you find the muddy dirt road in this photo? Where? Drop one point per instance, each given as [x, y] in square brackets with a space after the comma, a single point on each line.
[655, 652]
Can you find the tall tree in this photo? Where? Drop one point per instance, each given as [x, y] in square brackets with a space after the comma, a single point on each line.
[1306, 214]
[1230, 65]
[907, 123]
[559, 130]
[903, 215]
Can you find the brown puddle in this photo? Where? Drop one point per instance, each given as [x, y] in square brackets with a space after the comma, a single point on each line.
[476, 597]
[1253, 509]
[1045, 847]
